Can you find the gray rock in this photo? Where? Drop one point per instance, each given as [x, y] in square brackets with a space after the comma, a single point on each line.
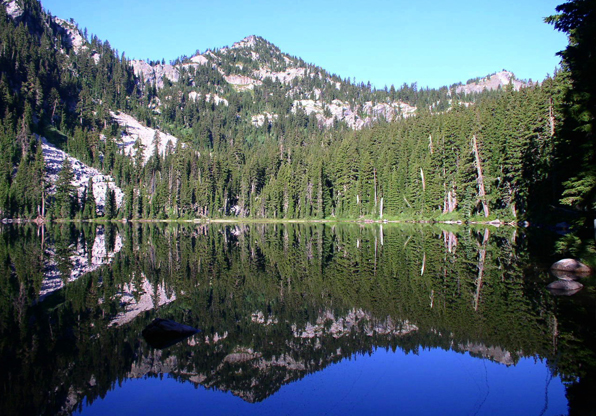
[564, 287]
[563, 275]
[572, 266]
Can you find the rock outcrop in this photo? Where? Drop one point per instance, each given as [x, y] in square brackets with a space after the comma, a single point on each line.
[133, 130]
[564, 287]
[54, 158]
[491, 82]
[138, 299]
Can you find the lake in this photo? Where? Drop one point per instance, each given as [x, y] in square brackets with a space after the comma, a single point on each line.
[333, 319]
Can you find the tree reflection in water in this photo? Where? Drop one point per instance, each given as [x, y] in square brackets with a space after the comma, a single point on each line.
[275, 303]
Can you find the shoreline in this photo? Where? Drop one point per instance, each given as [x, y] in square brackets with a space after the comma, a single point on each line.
[42, 221]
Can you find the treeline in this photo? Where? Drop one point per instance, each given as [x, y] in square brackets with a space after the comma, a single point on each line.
[496, 159]
[501, 154]
[49, 89]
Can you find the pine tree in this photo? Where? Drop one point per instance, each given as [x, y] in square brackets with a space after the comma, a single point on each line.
[65, 198]
[577, 19]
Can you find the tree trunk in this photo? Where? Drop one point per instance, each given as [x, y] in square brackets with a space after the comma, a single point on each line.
[480, 179]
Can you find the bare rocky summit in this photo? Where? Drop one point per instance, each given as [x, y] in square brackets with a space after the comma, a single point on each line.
[491, 82]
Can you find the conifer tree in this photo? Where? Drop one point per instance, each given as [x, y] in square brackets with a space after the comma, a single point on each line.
[65, 191]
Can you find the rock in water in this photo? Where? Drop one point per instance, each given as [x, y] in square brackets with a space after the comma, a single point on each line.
[163, 333]
[562, 275]
[564, 287]
[571, 265]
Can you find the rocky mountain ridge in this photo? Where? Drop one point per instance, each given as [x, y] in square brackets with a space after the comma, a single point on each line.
[253, 62]
[491, 82]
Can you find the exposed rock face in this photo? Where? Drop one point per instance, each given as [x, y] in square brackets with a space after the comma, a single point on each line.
[134, 130]
[247, 42]
[356, 319]
[285, 77]
[491, 82]
[72, 35]
[13, 9]
[241, 82]
[155, 74]
[342, 111]
[82, 262]
[216, 99]
[259, 119]
[54, 158]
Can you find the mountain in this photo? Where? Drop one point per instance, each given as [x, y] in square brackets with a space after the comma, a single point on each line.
[251, 131]
[254, 62]
[491, 82]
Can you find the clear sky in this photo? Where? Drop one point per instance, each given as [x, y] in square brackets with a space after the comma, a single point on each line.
[431, 42]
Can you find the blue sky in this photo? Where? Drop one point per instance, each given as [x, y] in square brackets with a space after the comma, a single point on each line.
[433, 43]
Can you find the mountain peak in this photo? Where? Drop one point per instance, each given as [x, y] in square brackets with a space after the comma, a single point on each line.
[247, 42]
[491, 82]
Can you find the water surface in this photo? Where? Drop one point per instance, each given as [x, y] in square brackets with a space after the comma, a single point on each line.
[294, 319]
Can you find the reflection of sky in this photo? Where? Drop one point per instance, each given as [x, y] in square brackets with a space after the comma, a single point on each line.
[435, 382]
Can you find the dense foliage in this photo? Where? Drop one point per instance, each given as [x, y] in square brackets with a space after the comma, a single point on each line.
[503, 154]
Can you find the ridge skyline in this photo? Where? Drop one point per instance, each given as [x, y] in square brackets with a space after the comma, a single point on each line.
[431, 52]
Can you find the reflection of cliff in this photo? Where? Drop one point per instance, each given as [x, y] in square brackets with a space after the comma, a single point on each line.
[496, 354]
[136, 300]
[254, 374]
[274, 303]
[80, 259]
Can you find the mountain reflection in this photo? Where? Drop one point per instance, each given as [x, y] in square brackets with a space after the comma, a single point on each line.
[274, 302]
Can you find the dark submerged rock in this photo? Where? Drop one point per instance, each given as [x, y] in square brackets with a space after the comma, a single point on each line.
[163, 333]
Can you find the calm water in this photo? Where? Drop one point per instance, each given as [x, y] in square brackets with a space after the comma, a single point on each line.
[293, 319]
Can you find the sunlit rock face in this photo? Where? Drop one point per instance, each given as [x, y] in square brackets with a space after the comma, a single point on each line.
[492, 82]
[13, 9]
[134, 133]
[54, 158]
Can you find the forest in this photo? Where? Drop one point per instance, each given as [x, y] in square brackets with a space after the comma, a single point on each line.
[511, 154]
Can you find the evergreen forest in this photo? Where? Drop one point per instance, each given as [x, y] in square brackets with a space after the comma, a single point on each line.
[256, 148]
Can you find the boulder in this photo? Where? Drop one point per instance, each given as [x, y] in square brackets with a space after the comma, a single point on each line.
[163, 333]
[564, 287]
[572, 266]
[563, 275]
